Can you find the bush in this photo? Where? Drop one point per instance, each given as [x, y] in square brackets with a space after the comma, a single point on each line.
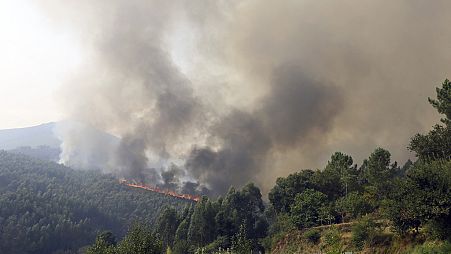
[312, 235]
[332, 240]
[363, 232]
[439, 229]
[433, 248]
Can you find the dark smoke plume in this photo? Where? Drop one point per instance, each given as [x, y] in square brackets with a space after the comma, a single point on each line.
[294, 108]
[238, 91]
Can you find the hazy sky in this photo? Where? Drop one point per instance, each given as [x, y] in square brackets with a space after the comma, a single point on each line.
[232, 91]
[35, 59]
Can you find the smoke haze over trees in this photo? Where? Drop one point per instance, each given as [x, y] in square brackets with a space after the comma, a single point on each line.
[238, 91]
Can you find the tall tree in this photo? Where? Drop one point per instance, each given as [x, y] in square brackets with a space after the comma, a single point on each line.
[436, 145]
[339, 176]
[104, 244]
[283, 193]
[139, 240]
[305, 210]
[379, 172]
[167, 226]
[443, 101]
[202, 226]
[423, 197]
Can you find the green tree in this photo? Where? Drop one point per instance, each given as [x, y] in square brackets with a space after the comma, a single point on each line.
[379, 172]
[182, 230]
[306, 207]
[241, 244]
[202, 226]
[104, 244]
[139, 240]
[423, 197]
[353, 205]
[283, 193]
[167, 226]
[443, 101]
[436, 145]
[339, 176]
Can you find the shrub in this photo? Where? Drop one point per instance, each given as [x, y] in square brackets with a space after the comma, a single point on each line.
[433, 248]
[332, 240]
[439, 229]
[363, 232]
[312, 235]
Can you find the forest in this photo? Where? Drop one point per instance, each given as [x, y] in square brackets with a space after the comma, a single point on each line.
[48, 208]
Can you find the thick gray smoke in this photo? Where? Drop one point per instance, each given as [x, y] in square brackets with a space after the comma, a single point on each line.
[213, 95]
[294, 108]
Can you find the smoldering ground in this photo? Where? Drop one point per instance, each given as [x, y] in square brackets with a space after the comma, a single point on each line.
[238, 91]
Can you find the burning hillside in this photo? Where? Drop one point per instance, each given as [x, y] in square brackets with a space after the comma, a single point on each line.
[162, 191]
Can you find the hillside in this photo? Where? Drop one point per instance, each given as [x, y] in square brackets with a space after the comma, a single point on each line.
[45, 153]
[339, 238]
[44, 141]
[46, 207]
[34, 136]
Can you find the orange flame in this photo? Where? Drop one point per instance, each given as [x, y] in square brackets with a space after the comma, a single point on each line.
[158, 190]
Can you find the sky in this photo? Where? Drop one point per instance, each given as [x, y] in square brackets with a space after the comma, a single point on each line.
[36, 58]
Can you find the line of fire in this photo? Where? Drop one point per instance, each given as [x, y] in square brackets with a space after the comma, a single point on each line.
[161, 191]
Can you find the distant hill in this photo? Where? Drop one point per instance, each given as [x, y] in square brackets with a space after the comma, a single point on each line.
[40, 135]
[49, 208]
[43, 142]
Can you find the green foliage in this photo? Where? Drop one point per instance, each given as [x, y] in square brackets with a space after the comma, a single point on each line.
[283, 193]
[214, 224]
[424, 196]
[312, 235]
[245, 206]
[202, 227]
[104, 244]
[433, 248]
[436, 145]
[439, 228]
[181, 247]
[139, 240]
[443, 101]
[283, 223]
[221, 243]
[167, 226]
[354, 205]
[46, 207]
[379, 172]
[332, 241]
[338, 178]
[306, 207]
[241, 244]
[182, 230]
[280, 226]
[363, 232]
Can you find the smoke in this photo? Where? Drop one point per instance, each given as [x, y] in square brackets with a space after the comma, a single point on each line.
[295, 108]
[208, 95]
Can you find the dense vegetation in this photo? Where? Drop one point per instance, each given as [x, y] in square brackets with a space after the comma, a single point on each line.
[50, 207]
[45, 153]
[46, 207]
